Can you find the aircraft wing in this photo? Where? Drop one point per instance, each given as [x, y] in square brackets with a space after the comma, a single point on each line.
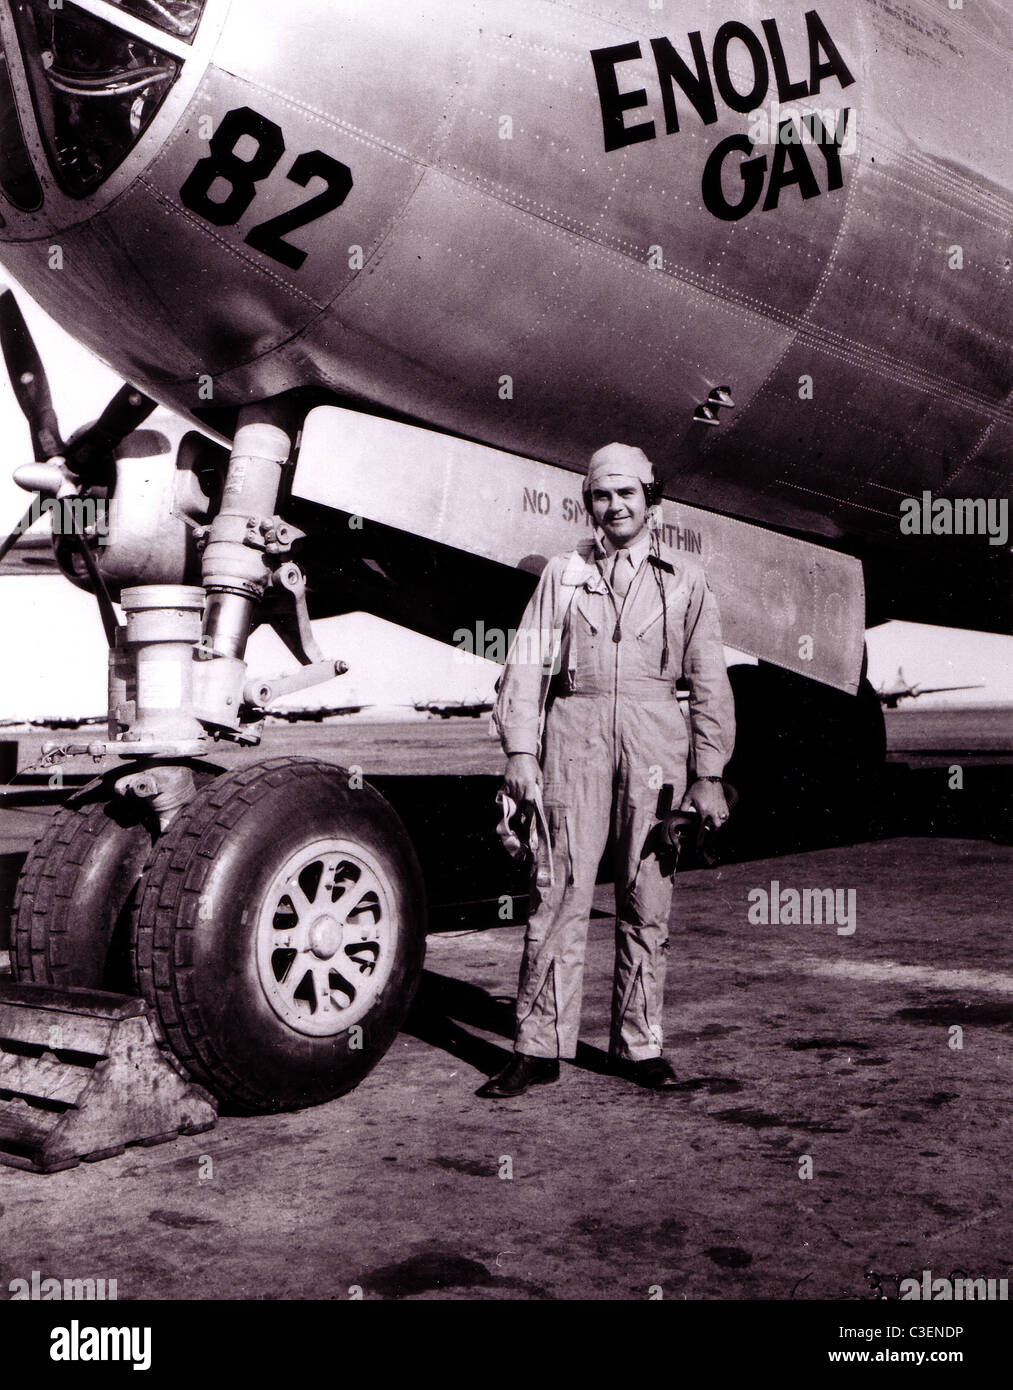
[941, 689]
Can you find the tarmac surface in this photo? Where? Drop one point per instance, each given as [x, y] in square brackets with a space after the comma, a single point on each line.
[844, 1120]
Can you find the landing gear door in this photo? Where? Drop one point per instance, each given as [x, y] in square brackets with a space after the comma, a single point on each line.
[782, 600]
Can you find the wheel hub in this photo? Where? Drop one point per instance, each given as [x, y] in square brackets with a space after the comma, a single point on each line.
[325, 936]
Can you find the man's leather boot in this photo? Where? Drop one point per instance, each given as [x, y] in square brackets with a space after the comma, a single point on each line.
[519, 1073]
[654, 1074]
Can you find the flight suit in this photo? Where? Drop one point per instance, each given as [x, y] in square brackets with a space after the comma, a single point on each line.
[601, 714]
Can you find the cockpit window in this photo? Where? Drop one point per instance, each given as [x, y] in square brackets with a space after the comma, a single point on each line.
[95, 89]
[17, 176]
[177, 17]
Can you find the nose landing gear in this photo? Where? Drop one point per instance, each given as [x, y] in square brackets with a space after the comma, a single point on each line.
[273, 918]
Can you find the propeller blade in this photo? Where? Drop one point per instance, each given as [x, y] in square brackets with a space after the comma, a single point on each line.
[29, 518]
[105, 603]
[28, 379]
[88, 455]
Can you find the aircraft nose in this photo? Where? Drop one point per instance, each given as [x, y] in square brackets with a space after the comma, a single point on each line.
[85, 88]
[95, 88]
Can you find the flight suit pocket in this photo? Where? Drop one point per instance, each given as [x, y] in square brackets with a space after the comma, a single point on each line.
[585, 637]
[562, 854]
[644, 656]
[646, 627]
[589, 631]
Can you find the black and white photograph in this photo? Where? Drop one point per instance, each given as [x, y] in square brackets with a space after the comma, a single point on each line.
[506, 669]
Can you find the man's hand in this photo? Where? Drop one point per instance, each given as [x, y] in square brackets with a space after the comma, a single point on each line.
[708, 799]
[522, 778]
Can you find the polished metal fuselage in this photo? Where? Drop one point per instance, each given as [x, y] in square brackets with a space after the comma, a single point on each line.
[497, 272]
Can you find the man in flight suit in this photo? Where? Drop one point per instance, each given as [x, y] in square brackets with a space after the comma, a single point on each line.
[594, 722]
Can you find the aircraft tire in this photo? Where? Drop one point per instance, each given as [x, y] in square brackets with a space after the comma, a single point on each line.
[279, 934]
[71, 917]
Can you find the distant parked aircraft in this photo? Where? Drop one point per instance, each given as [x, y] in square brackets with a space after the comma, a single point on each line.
[902, 691]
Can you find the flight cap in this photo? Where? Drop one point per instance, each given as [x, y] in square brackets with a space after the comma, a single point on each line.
[618, 461]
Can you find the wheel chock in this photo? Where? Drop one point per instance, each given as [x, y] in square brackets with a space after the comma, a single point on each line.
[82, 1075]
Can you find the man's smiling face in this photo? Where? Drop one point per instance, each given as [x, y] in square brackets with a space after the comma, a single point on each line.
[619, 507]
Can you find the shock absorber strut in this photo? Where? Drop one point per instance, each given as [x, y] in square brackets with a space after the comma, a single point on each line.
[174, 676]
[235, 567]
